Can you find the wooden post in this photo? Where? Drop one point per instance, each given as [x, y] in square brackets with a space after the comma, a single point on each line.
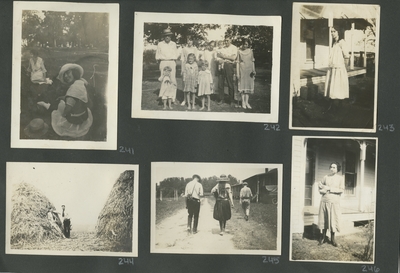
[160, 195]
[352, 48]
[330, 25]
[363, 153]
[258, 190]
[365, 50]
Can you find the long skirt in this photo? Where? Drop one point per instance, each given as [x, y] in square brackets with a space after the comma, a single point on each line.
[337, 83]
[329, 216]
[222, 210]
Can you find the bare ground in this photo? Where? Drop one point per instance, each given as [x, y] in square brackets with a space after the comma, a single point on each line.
[171, 234]
[79, 241]
[350, 248]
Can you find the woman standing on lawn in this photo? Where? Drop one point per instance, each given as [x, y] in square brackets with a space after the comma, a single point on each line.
[223, 195]
[331, 188]
[337, 80]
[246, 72]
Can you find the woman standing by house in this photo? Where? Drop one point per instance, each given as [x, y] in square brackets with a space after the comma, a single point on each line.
[337, 81]
[246, 72]
[222, 208]
[331, 188]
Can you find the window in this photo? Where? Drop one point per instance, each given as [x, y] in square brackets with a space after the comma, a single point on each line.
[350, 175]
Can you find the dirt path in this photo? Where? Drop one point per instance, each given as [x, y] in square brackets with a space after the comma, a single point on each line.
[171, 234]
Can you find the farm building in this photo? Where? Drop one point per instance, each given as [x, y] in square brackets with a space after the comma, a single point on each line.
[264, 185]
[311, 158]
[312, 38]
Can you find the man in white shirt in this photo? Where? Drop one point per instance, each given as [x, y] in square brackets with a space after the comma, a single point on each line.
[228, 55]
[245, 199]
[166, 54]
[193, 192]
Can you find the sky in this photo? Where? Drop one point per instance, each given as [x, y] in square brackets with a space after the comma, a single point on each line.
[82, 188]
[216, 34]
[162, 170]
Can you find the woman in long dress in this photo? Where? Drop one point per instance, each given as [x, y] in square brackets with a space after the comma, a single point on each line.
[222, 208]
[337, 80]
[72, 118]
[246, 72]
[331, 188]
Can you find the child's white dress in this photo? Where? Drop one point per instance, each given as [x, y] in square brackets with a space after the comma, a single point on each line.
[205, 80]
[168, 88]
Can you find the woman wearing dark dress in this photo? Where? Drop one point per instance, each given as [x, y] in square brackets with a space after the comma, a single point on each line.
[223, 195]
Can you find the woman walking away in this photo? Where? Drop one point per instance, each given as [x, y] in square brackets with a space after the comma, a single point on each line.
[222, 208]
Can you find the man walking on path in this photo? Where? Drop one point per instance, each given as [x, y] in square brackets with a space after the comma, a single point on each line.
[193, 192]
[245, 198]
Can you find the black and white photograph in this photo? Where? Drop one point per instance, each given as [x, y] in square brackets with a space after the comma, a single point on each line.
[72, 209]
[333, 199]
[334, 67]
[216, 208]
[65, 75]
[206, 67]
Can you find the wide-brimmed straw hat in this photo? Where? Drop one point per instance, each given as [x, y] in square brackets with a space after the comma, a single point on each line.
[36, 128]
[245, 183]
[196, 176]
[167, 32]
[223, 178]
[67, 67]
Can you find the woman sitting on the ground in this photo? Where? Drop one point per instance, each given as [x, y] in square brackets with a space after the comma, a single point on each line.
[72, 118]
[37, 68]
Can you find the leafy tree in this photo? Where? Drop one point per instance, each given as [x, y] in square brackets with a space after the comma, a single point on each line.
[31, 27]
[261, 38]
[198, 32]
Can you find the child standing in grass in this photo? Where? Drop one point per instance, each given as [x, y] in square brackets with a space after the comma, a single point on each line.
[168, 87]
[190, 74]
[205, 81]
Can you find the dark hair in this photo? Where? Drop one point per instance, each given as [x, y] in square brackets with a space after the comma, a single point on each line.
[212, 41]
[34, 52]
[340, 30]
[246, 40]
[196, 176]
[338, 166]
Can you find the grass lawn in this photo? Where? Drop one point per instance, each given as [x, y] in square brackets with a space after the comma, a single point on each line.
[351, 247]
[260, 100]
[355, 112]
[259, 232]
[168, 207]
[95, 65]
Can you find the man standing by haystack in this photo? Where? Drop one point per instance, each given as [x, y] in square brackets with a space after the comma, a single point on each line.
[245, 198]
[166, 55]
[66, 222]
[193, 192]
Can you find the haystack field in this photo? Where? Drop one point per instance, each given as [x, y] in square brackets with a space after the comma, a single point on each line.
[30, 229]
[29, 222]
[116, 218]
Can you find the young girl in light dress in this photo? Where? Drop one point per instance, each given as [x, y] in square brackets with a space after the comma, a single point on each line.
[205, 81]
[168, 87]
[190, 74]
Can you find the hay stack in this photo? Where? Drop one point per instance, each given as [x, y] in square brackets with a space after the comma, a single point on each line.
[116, 218]
[29, 222]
